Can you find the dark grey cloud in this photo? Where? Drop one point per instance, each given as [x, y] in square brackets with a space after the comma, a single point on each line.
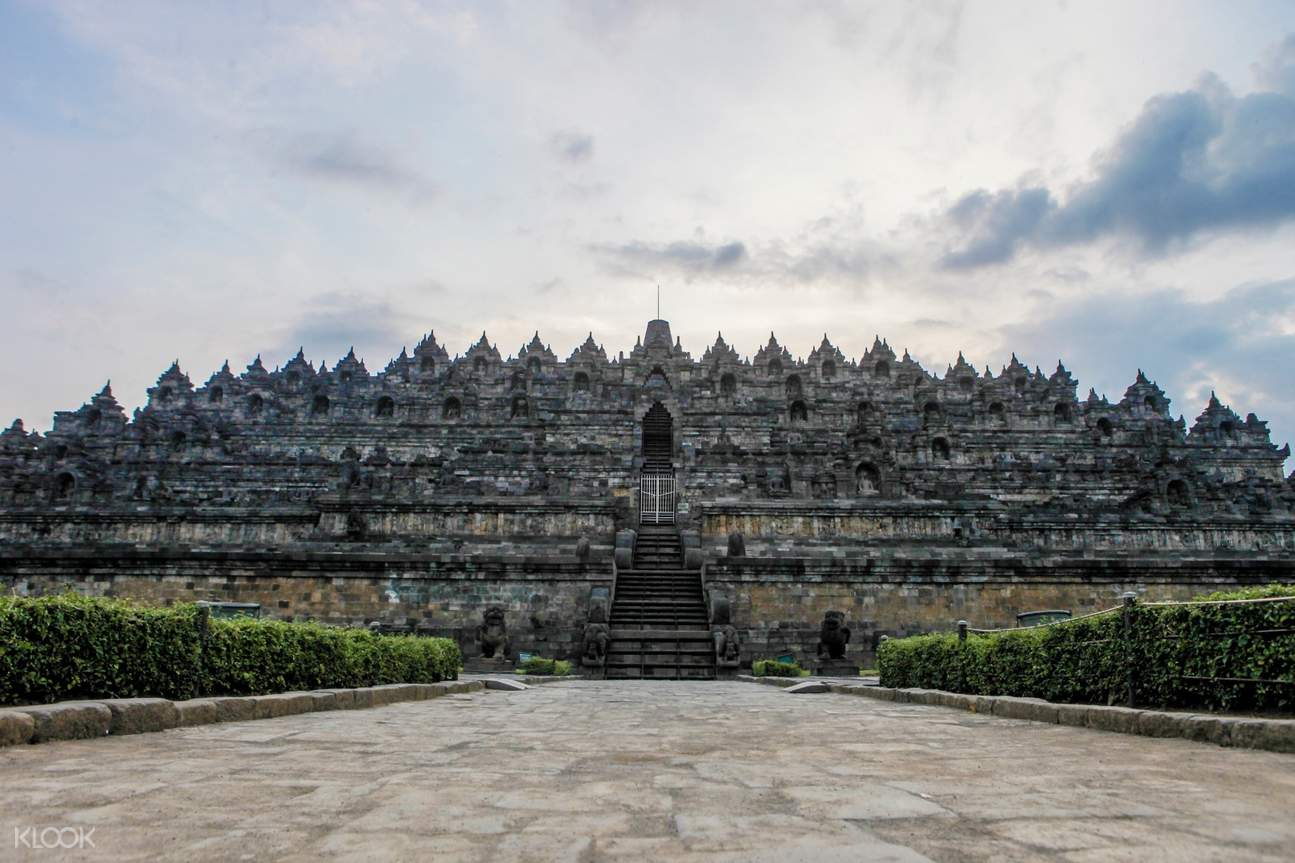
[831, 247]
[346, 161]
[1276, 71]
[572, 146]
[1199, 161]
[1236, 343]
[689, 257]
[36, 282]
[338, 322]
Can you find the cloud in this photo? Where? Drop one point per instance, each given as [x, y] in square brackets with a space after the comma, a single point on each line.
[571, 146]
[35, 282]
[1240, 344]
[345, 161]
[1200, 161]
[687, 257]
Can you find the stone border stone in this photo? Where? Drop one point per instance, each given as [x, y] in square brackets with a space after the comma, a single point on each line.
[75, 720]
[1275, 735]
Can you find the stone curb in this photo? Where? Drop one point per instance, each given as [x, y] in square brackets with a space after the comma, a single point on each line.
[75, 720]
[1275, 735]
[783, 682]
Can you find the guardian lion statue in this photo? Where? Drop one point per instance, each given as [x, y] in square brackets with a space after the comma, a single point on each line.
[834, 636]
[728, 649]
[492, 633]
[596, 637]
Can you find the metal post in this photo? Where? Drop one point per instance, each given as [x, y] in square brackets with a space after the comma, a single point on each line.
[962, 630]
[1130, 666]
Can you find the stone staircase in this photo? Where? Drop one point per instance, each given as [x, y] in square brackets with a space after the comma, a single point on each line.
[659, 628]
[658, 445]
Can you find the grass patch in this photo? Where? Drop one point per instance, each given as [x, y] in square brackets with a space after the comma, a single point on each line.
[545, 667]
[774, 668]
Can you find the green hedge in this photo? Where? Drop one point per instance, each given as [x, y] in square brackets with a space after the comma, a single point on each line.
[247, 657]
[1088, 660]
[57, 648]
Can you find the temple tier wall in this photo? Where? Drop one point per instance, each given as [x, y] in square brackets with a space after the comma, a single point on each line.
[545, 601]
[778, 603]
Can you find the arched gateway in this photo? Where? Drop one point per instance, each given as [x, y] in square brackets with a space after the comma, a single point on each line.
[656, 479]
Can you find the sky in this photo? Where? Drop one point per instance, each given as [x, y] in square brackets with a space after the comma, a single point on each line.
[1108, 184]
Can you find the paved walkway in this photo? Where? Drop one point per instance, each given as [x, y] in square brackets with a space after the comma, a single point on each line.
[589, 771]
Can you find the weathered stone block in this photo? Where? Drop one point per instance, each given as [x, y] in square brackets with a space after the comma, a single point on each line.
[139, 715]
[1276, 735]
[1073, 714]
[68, 720]
[322, 700]
[282, 704]
[388, 694]
[1207, 728]
[410, 691]
[956, 700]
[460, 687]
[1158, 723]
[343, 699]
[985, 704]
[196, 711]
[922, 696]
[1110, 718]
[235, 708]
[16, 727]
[1034, 709]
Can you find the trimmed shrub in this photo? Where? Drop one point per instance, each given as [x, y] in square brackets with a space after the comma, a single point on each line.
[1181, 655]
[774, 668]
[1266, 591]
[57, 648]
[71, 647]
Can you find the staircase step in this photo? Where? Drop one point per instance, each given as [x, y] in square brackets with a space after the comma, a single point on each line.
[662, 658]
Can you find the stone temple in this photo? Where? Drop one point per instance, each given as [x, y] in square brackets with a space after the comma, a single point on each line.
[661, 514]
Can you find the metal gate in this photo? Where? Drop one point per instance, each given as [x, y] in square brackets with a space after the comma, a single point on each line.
[656, 498]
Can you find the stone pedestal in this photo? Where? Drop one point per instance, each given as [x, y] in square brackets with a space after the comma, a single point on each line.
[836, 668]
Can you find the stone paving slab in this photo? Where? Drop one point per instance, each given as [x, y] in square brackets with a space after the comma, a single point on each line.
[590, 771]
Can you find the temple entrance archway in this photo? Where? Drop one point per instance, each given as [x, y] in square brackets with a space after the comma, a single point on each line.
[657, 480]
